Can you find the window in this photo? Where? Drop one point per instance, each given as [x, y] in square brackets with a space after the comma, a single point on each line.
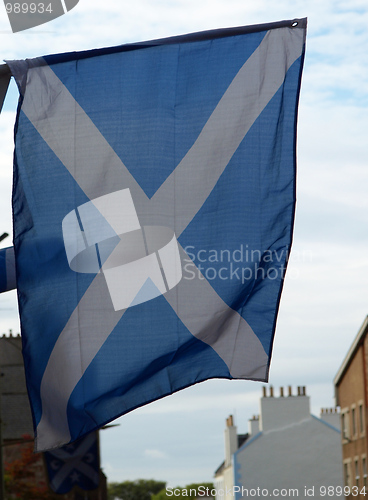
[347, 481]
[345, 424]
[364, 467]
[353, 421]
[361, 419]
[356, 468]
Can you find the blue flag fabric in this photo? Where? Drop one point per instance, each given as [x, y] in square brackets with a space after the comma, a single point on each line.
[7, 269]
[154, 197]
[75, 464]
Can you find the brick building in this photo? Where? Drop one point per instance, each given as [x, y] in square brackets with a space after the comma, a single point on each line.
[351, 391]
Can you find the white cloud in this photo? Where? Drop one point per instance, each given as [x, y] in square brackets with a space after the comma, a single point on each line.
[156, 454]
[203, 397]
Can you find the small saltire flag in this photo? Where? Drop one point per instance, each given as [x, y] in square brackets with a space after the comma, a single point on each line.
[154, 197]
[75, 464]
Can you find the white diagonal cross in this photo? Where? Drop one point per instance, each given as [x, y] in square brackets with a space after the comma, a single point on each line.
[50, 106]
[73, 461]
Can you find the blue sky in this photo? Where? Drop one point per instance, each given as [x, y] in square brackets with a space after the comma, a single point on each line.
[180, 438]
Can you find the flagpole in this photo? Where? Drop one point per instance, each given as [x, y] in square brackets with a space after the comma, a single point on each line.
[2, 492]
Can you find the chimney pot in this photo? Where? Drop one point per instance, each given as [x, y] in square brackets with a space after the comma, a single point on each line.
[230, 421]
[264, 391]
[281, 392]
[290, 390]
[271, 392]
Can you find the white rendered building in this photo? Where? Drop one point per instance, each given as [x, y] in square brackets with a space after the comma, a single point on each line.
[287, 452]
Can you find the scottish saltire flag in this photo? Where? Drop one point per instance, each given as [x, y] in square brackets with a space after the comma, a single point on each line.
[74, 465]
[7, 269]
[154, 196]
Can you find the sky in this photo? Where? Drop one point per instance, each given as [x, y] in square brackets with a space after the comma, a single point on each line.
[179, 439]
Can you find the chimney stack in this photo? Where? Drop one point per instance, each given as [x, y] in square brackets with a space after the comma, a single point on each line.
[253, 425]
[230, 421]
[231, 440]
[277, 412]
